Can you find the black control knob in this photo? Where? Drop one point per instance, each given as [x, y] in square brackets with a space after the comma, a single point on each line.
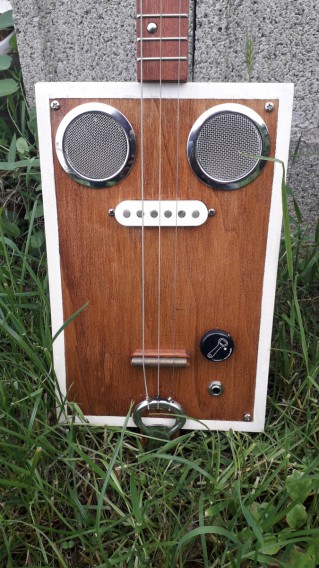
[217, 345]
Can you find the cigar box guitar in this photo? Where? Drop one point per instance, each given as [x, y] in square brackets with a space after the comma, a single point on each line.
[163, 219]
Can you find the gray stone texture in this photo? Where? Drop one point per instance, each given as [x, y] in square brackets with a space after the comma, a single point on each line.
[95, 41]
[285, 39]
[67, 40]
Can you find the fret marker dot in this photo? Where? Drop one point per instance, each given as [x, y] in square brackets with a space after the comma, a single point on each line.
[181, 213]
[168, 213]
[151, 28]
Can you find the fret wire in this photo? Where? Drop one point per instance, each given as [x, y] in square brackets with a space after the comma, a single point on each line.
[139, 39]
[139, 59]
[162, 15]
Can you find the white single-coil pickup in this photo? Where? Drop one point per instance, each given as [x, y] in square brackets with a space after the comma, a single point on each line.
[157, 213]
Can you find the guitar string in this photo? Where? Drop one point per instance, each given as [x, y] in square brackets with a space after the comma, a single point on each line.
[142, 199]
[176, 199]
[159, 204]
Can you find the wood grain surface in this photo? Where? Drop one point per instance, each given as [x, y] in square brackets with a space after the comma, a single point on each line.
[210, 276]
[167, 27]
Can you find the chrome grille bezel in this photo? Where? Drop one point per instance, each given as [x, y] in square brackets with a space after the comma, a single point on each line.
[125, 128]
[252, 172]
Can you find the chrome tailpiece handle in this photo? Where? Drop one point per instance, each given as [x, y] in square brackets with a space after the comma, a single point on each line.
[161, 431]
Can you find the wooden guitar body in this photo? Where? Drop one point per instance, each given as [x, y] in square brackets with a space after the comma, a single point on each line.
[154, 292]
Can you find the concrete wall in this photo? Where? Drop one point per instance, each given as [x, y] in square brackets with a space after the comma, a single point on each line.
[68, 41]
[285, 39]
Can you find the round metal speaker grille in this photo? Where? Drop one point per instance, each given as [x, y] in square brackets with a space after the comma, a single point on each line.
[220, 141]
[95, 145]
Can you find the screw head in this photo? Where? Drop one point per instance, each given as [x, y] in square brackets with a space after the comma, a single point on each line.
[111, 213]
[211, 212]
[247, 418]
[55, 105]
[151, 28]
[269, 106]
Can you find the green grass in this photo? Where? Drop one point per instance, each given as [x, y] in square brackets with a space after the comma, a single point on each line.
[88, 496]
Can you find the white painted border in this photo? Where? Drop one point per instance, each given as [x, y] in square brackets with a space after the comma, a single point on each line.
[126, 90]
[52, 234]
[230, 91]
[5, 5]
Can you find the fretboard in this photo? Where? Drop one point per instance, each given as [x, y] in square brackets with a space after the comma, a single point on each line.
[162, 40]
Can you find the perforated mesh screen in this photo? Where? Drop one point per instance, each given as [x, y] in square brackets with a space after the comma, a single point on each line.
[221, 142]
[95, 145]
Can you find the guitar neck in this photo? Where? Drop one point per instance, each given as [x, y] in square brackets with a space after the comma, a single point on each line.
[162, 40]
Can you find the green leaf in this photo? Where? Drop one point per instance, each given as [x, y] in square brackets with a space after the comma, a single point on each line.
[5, 62]
[262, 511]
[208, 530]
[32, 122]
[286, 223]
[66, 323]
[37, 240]
[5, 242]
[301, 325]
[8, 227]
[12, 150]
[36, 214]
[13, 483]
[215, 509]
[252, 523]
[8, 87]
[302, 559]
[13, 43]
[297, 211]
[136, 506]
[22, 147]
[297, 517]
[285, 211]
[66, 545]
[270, 545]
[298, 486]
[296, 149]
[35, 162]
[6, 20]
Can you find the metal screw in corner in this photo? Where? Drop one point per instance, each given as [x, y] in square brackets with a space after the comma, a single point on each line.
[269, 106]
[211, 212]
[55, 105]
[247, 418]
[111, 213]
